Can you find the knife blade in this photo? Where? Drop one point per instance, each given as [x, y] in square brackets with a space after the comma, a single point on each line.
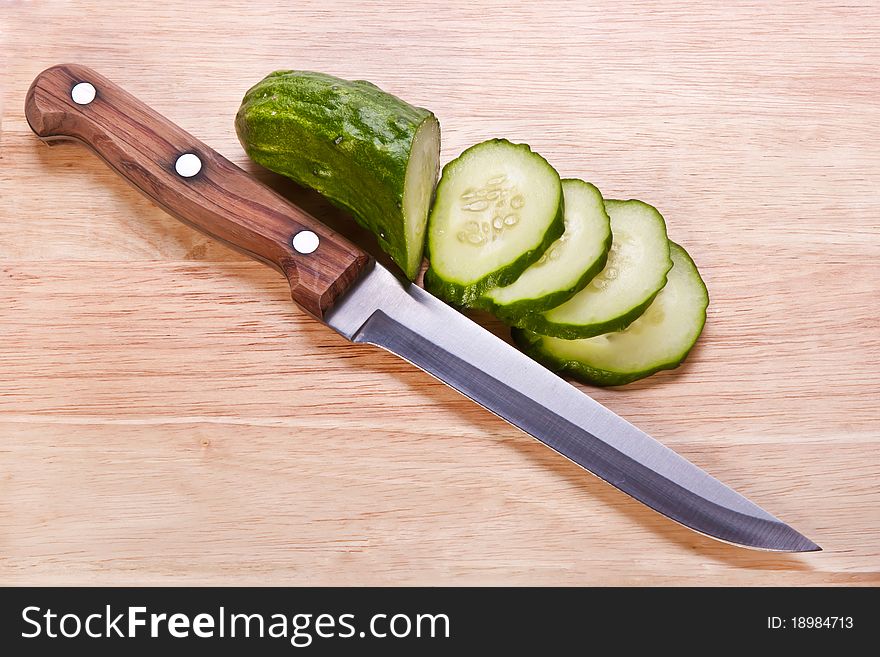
[344, 287]
[409, 322]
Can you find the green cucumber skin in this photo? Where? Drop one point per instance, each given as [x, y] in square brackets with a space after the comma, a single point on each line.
[467, 295]
[513, 313]
[537, 322]
[348, 140]
[530, 344]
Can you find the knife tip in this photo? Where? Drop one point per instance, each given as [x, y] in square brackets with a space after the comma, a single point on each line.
[797, 542]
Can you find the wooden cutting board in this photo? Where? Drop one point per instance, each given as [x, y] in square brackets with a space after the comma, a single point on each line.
[167, 416]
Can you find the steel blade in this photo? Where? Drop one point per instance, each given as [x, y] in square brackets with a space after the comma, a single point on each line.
[409, 322]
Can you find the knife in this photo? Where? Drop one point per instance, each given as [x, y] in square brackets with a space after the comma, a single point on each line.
[342, 286]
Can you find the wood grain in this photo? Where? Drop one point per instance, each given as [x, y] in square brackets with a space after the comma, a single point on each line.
[168, 416]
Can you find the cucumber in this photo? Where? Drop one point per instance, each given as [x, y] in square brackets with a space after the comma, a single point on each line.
[497, 209]
[658, 340]
[638, 262]
[567, 266]
[367, 151]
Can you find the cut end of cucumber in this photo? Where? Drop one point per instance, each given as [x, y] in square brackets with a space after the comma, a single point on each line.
[498, 208]
[421, 175]
[660, 339]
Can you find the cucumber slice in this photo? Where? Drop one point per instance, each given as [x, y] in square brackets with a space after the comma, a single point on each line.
[658, 340]
[567, 266]
[638, 262]
[498, 207]
[367, 151]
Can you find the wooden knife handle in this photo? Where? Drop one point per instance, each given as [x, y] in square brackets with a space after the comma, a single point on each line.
[193, 182]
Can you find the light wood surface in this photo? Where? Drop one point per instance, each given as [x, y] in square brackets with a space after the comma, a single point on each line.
[168, 416]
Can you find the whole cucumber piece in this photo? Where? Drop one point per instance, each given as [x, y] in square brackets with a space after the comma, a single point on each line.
[369, 152]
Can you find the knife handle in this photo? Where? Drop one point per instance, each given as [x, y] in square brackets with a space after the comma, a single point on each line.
[193, 182]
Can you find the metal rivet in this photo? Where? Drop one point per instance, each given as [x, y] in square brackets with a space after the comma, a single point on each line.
[83, 93]
[305, 241]
[188, 165]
